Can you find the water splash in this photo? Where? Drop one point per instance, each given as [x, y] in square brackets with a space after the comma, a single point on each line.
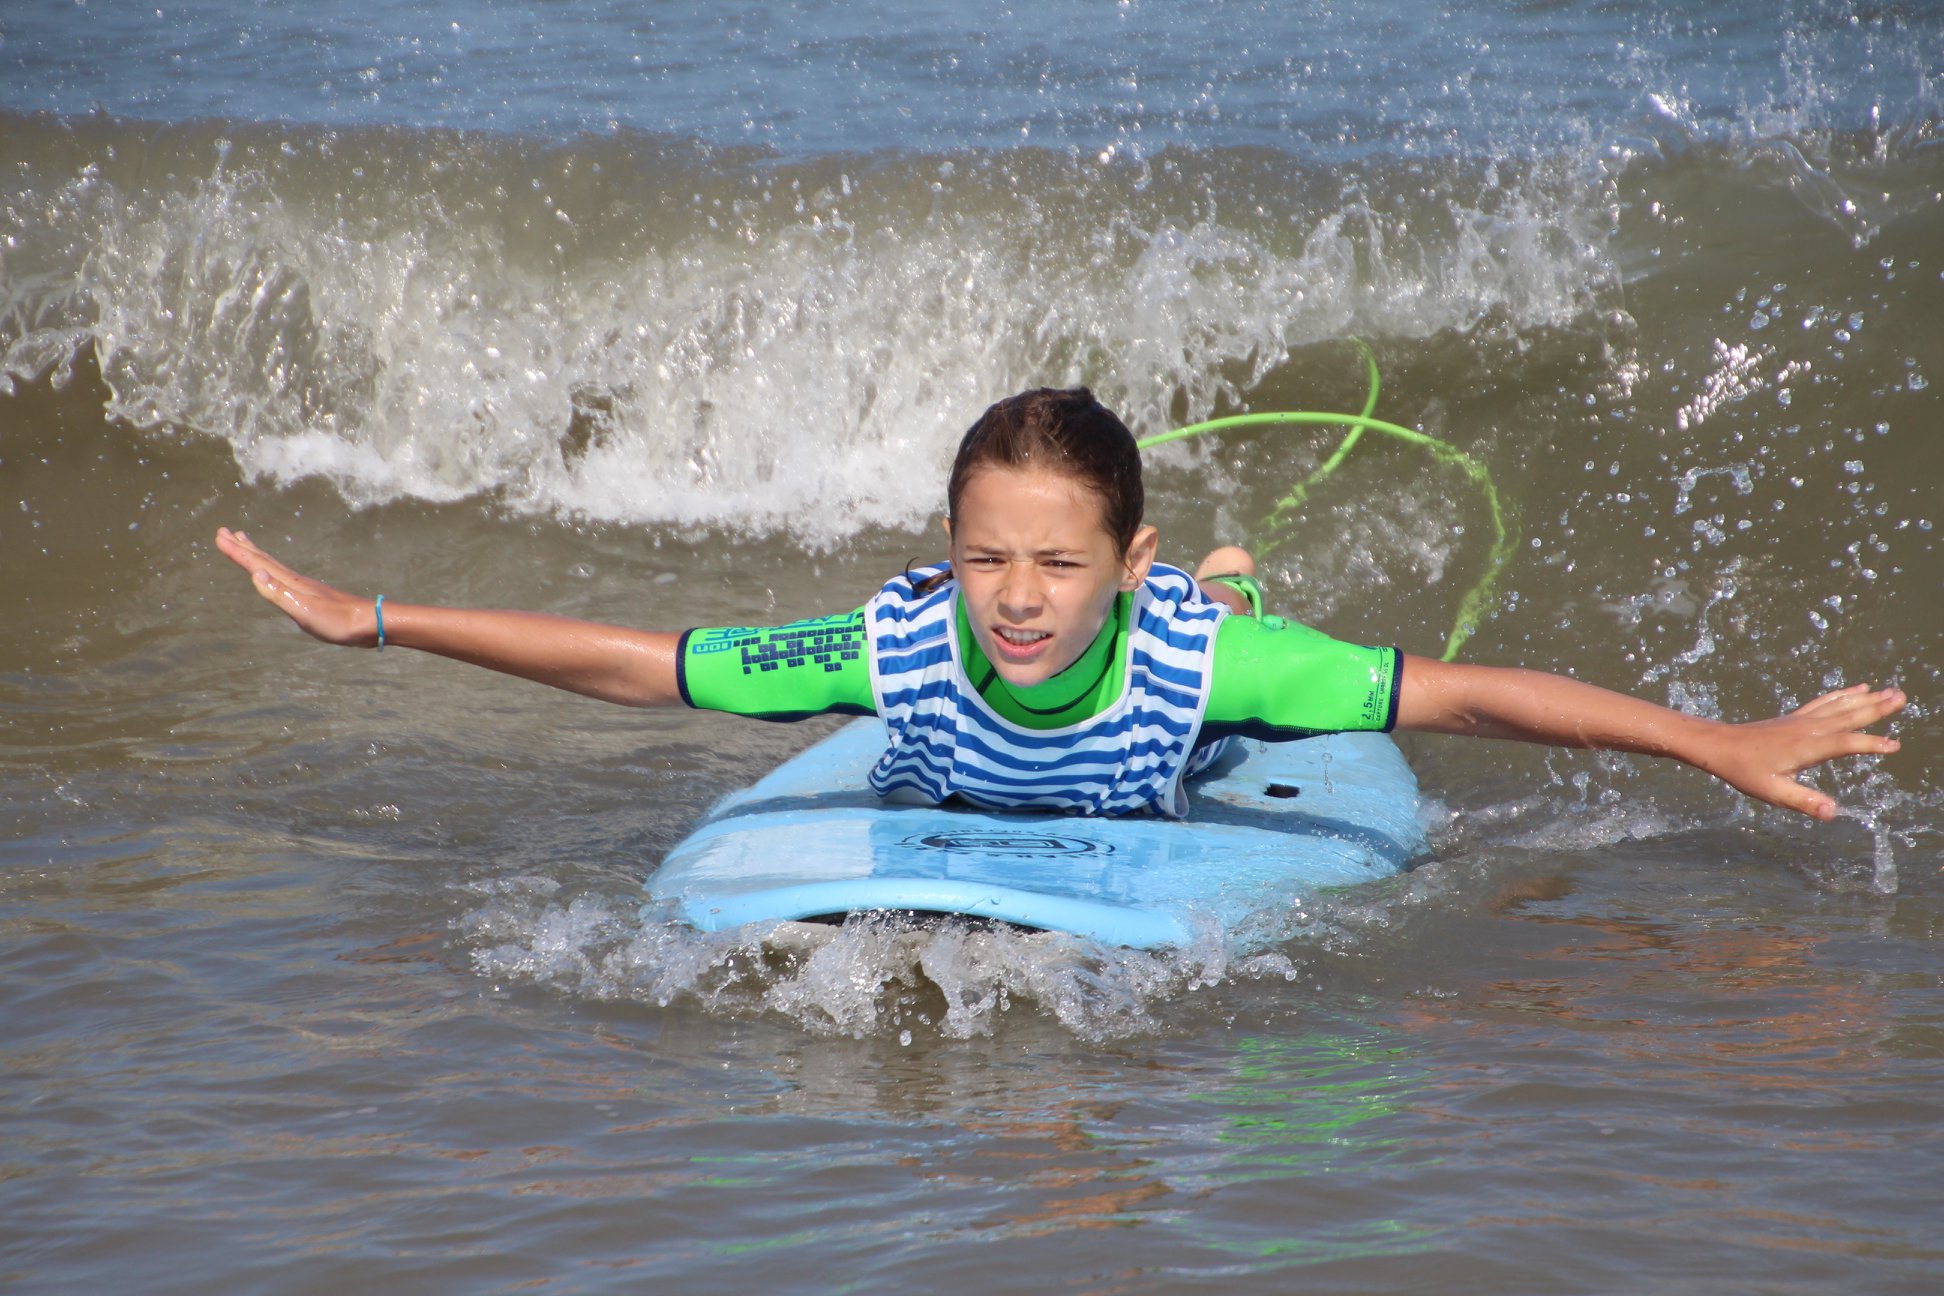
[1683, 693]
[791, 351]
[888, 975]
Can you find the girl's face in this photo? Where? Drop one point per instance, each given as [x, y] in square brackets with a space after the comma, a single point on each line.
[1037, 568]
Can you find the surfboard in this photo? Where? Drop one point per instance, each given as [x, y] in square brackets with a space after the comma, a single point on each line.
[1271, 825]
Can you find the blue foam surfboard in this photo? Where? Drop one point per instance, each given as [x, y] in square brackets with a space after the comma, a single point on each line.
[1270, 824]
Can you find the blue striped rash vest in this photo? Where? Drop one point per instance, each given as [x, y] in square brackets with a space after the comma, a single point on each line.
[945, 740]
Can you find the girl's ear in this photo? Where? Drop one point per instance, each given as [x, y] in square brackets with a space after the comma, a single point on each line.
[1140, 557]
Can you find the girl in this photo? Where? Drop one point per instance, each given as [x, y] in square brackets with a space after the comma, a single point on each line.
[1053, 662]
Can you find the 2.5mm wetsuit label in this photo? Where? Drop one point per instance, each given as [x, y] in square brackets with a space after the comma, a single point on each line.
[827, 642]
[787, 672]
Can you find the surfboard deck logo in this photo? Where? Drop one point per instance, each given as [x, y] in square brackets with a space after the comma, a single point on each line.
[1006, 842]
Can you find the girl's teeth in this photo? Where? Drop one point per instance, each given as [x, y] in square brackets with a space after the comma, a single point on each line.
[1022, 637]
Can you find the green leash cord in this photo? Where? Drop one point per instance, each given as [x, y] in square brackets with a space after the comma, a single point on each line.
[1479, 597]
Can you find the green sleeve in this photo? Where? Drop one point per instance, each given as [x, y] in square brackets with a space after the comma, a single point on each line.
[786, 672]
[1278, 680]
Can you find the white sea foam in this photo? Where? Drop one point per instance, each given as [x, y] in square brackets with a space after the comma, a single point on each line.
[803, 364]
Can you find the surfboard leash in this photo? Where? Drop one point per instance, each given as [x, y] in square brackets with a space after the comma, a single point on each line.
[1282, 519]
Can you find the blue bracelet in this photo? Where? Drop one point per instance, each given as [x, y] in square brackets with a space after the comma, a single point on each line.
[379, 608]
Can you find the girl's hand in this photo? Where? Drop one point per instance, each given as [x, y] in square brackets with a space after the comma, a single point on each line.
[321, 611]
[1763, 758]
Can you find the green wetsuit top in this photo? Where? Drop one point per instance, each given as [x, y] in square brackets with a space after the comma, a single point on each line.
[1270, 678]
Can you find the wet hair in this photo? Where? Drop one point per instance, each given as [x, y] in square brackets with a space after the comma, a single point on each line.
[1069, 432]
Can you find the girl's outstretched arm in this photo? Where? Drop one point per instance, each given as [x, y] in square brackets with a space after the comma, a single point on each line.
[631, 667]
[1761, 759]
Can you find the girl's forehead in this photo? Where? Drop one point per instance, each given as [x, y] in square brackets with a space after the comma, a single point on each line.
[1030, 503]
[1046, 488]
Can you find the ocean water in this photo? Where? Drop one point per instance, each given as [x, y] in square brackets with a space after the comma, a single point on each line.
[325, 971]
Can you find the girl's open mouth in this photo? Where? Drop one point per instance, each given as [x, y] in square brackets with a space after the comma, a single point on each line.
[1020, 645]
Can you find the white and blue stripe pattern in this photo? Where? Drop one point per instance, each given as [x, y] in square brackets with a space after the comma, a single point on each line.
[945, 740]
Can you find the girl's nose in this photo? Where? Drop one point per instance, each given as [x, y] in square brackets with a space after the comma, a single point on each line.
[1020, 593]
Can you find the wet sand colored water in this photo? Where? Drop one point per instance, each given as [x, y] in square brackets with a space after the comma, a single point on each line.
[327, 971]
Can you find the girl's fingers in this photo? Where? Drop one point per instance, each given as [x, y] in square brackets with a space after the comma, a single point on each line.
[1846, 740]
[1816, 805]
[1791, 795]
[1855, 744]
[1870, 745]
[1836, 715]
[1831, 700]
[1832, 696]
[1888, 703]
[315, 607]
[1858, 699]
